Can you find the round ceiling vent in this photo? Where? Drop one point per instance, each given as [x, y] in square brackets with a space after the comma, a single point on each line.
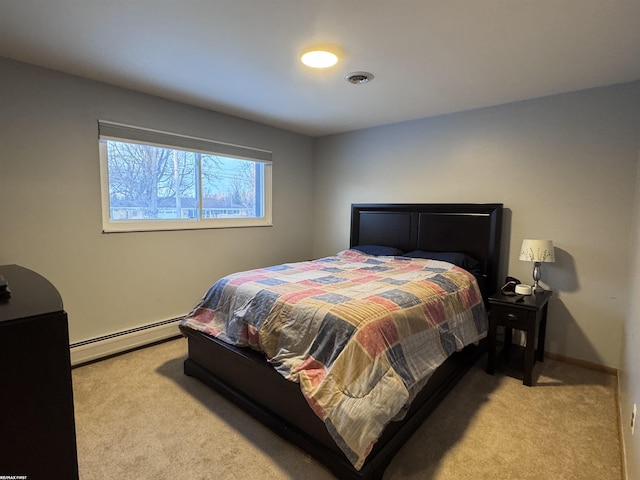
[358, 78]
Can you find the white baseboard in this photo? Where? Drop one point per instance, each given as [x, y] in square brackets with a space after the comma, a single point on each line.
[101, 347]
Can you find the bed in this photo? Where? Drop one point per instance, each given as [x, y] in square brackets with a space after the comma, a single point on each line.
[241, 374]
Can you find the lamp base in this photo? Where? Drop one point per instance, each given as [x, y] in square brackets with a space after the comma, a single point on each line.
[537, 288]
[536, 278]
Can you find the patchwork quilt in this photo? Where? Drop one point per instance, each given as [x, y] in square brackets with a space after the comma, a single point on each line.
[360, 334]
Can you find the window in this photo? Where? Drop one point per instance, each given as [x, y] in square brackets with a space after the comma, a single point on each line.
[154, 180]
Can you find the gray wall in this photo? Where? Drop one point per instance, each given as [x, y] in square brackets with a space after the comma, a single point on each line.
[630, 359]
[50, 216]
[564, 166]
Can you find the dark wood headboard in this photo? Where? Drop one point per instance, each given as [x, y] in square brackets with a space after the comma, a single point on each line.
[474, 229]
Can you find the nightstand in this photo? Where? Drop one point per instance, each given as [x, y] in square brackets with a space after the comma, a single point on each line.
[521, 313]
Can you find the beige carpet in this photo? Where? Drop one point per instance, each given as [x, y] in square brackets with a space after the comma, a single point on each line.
[139, 417]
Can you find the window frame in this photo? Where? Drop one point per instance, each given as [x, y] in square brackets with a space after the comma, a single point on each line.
[130, 134]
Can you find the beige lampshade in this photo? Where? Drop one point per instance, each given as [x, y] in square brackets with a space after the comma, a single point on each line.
[537, 251]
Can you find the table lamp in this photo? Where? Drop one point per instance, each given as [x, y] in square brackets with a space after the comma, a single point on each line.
[537, 251]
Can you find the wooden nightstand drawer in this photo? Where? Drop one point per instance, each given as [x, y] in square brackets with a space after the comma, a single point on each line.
[511, 317]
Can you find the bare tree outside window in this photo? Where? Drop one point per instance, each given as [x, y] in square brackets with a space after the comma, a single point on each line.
[151, 182]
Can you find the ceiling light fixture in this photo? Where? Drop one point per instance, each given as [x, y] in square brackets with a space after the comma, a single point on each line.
[359, 78]
[319, 59]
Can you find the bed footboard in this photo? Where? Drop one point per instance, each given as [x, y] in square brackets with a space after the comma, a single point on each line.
[247, 380]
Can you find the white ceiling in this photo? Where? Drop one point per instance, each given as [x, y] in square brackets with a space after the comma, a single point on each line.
[241, 57]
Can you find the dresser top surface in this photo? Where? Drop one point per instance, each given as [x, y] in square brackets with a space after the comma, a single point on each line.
[31, 294]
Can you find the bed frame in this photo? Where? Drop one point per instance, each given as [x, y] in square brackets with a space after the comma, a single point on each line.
[244, 377]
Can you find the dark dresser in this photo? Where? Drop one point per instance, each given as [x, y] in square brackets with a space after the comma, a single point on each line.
[37, 427]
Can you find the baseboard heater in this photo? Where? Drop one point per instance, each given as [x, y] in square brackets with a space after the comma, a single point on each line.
[107, 345]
